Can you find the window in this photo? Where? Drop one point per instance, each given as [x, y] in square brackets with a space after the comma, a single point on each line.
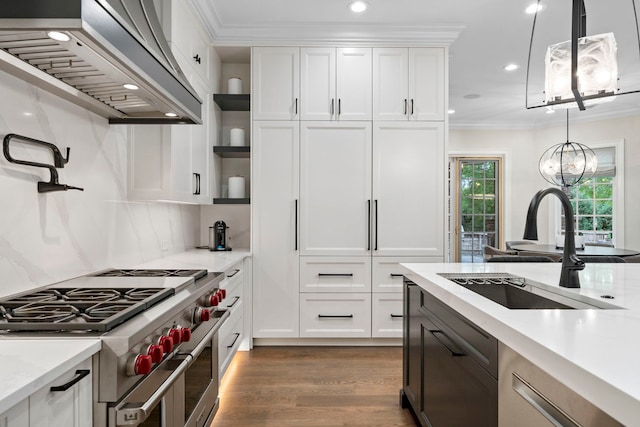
[598, 202]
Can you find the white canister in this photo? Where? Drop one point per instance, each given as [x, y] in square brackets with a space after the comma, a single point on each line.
[236, 137]
[236, 187]
[235, 86]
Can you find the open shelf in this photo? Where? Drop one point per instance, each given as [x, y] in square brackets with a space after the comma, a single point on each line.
[229, 102]
[227, 201]
[228, 151]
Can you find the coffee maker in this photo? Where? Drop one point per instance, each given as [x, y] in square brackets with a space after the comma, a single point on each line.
[218, 237]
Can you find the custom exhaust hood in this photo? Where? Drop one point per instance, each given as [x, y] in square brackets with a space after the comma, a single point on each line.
[112, 58]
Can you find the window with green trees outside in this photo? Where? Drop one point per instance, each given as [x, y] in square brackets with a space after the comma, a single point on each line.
[592, 202]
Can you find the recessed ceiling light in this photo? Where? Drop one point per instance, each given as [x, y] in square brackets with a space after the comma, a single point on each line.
[358, 6]
[171, 114]
[511, 67]
[451, 111]
[536, 7]
[57, 35]
[130, 86]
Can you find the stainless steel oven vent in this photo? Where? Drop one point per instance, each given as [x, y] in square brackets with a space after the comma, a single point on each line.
[111, 43]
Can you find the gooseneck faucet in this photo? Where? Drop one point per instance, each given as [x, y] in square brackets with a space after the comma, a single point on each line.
[571, 264]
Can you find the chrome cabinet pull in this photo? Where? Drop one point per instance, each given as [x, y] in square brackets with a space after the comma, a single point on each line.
[197, 178]
[547, 408]
[80, 374]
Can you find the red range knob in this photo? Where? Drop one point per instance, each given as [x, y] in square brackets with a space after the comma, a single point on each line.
[202, 315]
[214, 300]
[186, 334]
[176, 335]
[224, 293]
[166, 343]
[142, 364]
[155, 352]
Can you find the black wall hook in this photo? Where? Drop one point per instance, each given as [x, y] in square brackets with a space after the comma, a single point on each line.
[58, 162]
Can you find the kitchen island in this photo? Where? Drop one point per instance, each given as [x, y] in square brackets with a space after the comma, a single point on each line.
[594, 352]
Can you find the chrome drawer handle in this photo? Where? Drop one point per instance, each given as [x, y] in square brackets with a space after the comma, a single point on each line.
[80, 374]
[546, 407]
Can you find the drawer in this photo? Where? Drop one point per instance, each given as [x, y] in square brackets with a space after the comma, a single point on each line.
[233, 278]
[386, 315]
[386, 273]
[229, 339]
[335, 274]
[337, 315]
[233, 298]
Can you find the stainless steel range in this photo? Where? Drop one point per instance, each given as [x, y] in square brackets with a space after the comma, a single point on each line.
[158, 364]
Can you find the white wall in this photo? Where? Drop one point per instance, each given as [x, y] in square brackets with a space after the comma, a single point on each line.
[524, 148]
[47, 237]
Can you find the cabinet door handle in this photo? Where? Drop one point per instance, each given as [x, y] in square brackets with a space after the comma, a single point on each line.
[395, 316]
[296, 107]
[197, 180]
[547, 408]
[332, 106]
[405, 107]
[375, 212]
[412, 106]
[335, 316]
[368, 225]
[447, 343]
[396, 275]
[236, 271]
[339, 106]
[235, 300]
[335, 274]
[295, 226]
[234, 340]
[80, 374]
[197, 58]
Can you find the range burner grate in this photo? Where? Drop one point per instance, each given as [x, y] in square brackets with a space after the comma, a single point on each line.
[196, 274]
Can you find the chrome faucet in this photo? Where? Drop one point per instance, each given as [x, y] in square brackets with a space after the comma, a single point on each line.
[571, 264]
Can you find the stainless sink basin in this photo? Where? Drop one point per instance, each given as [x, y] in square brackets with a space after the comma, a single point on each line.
[518, 293]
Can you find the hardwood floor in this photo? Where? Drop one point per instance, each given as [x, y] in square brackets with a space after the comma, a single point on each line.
[313, 387]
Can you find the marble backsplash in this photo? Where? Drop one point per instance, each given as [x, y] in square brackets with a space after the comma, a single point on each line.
[48, 237]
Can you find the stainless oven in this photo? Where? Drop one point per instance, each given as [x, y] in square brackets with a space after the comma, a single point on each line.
[182, 391]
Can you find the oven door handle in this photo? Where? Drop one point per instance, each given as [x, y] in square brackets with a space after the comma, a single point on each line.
[132, 414]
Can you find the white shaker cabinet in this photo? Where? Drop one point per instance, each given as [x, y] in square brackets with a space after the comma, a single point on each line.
[275, 83]
[408, 189]
[275, 239]
[409, 83]
[335, 83]
[65, 407]
[17, 416]
[335, 188]
[171, 162]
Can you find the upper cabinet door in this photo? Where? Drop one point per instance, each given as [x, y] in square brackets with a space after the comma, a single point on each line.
[318, 83]
[335, 188]
[426, 84]
[353, 84]
[276, 83]
[390, 83]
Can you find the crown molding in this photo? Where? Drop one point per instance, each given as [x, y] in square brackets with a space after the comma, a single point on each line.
[322, 33]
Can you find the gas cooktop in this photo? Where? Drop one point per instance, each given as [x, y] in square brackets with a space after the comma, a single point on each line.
[196, 274]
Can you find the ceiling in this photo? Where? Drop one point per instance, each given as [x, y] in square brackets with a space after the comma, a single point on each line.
[483, 37]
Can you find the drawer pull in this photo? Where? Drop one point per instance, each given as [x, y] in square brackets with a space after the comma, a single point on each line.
[335, 316]
[546, 407]
[80, 374]
[396, 275]
[235, 300]
[447, 343]
[395, 316]
[234, 340]
[236, 271]
[335, 274]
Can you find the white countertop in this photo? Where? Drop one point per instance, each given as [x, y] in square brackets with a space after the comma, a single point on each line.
[26, 365]
[594, 352]
[197, 259]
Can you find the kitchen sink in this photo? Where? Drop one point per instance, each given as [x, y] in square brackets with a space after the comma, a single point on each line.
[518, 293]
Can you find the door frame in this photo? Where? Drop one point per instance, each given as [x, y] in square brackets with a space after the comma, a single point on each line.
[454, 213]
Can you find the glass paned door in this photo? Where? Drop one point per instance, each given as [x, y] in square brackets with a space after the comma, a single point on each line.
[478, 207]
